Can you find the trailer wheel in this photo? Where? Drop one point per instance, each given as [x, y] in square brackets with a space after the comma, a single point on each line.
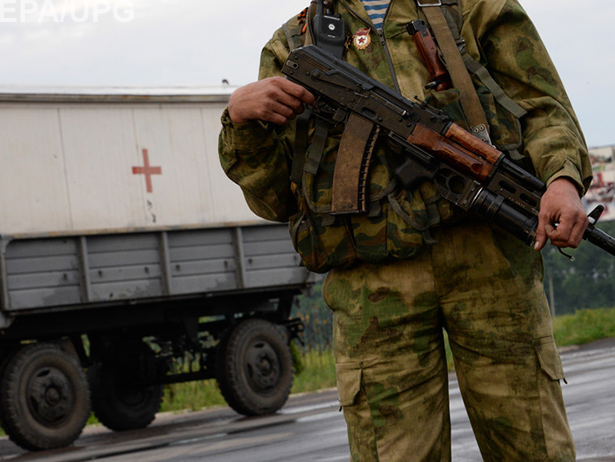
[44, 400]
[119, 401]
[254, 368]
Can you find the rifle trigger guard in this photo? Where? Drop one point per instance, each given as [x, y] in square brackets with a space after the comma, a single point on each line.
[340, 114]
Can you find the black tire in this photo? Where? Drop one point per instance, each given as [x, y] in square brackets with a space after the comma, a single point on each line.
[119, 402]
[44, 400]
[254, 368]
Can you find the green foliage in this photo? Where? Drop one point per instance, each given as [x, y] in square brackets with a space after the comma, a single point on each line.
[191, 395]
[319, 373]
[298, 362]
[317, 319]
[316, 350]
[586, 282]
[584, 326]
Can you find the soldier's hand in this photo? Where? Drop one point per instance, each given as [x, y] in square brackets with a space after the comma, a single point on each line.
[562, 218]
[274, 100]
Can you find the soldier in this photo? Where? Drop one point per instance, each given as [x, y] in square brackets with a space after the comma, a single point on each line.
[413, 265]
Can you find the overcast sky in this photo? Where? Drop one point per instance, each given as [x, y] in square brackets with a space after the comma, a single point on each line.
[200, 42]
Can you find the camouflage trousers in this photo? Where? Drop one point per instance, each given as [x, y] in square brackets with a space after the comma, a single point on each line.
[483, 287]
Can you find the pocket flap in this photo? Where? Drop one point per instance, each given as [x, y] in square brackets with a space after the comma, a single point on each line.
[348, 382]
[549, 359]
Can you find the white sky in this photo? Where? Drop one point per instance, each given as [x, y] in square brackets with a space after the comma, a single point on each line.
[201, 42]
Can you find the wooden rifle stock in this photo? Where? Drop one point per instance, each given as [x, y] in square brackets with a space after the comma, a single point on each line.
[456, 150]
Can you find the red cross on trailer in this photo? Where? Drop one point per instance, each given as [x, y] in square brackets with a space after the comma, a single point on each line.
[147, 170]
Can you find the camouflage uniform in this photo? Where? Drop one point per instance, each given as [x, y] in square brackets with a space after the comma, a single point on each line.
[392, 290]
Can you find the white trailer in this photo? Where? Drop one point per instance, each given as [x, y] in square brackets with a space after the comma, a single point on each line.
[130, 261]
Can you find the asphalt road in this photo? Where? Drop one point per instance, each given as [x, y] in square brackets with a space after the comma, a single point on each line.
[310, 428]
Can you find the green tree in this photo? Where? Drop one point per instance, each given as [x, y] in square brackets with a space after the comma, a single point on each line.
[586, 282]
[317, 319]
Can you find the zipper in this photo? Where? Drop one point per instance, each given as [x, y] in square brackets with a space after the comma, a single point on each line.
[383, 43]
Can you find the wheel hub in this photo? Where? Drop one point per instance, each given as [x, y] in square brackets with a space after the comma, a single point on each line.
[49, 395]
[263, 368]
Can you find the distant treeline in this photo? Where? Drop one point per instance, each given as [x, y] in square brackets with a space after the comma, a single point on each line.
[587, 282]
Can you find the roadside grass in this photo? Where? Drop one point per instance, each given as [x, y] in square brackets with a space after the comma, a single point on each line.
[318, 373]
[192, 396]
[584, 326]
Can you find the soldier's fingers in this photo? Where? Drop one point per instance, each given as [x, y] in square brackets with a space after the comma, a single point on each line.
[292, 102]
[564, 235]
[576, 236]
[297, 91]
[544, 227]
[578, 230]
[559, 234]
[541, 236]
[276, 112]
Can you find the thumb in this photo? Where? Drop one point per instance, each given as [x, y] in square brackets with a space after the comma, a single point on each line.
[541, 236]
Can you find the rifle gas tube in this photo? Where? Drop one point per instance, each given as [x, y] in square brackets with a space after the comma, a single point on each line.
[471, 174]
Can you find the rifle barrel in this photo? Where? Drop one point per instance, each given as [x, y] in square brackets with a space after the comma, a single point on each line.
[601, 239]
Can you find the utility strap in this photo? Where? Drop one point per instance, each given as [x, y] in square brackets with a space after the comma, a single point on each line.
[468, 98]
[499, 95]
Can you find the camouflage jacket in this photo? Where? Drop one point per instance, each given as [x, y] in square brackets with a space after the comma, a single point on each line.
[498, 35]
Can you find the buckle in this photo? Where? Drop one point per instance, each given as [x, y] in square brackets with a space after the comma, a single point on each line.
[423, 4]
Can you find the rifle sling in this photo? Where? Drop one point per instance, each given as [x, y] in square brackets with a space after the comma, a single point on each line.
[317, 148]
[349, 194]
[499, 95]
[301, 147]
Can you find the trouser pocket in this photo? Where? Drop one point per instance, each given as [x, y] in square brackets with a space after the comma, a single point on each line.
[353, 400]
[349, 377]
[559, 444]
[549, 359]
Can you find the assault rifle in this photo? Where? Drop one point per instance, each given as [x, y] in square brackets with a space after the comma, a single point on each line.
[468, 172]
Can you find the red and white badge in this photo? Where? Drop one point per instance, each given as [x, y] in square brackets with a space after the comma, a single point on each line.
[361, 39]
